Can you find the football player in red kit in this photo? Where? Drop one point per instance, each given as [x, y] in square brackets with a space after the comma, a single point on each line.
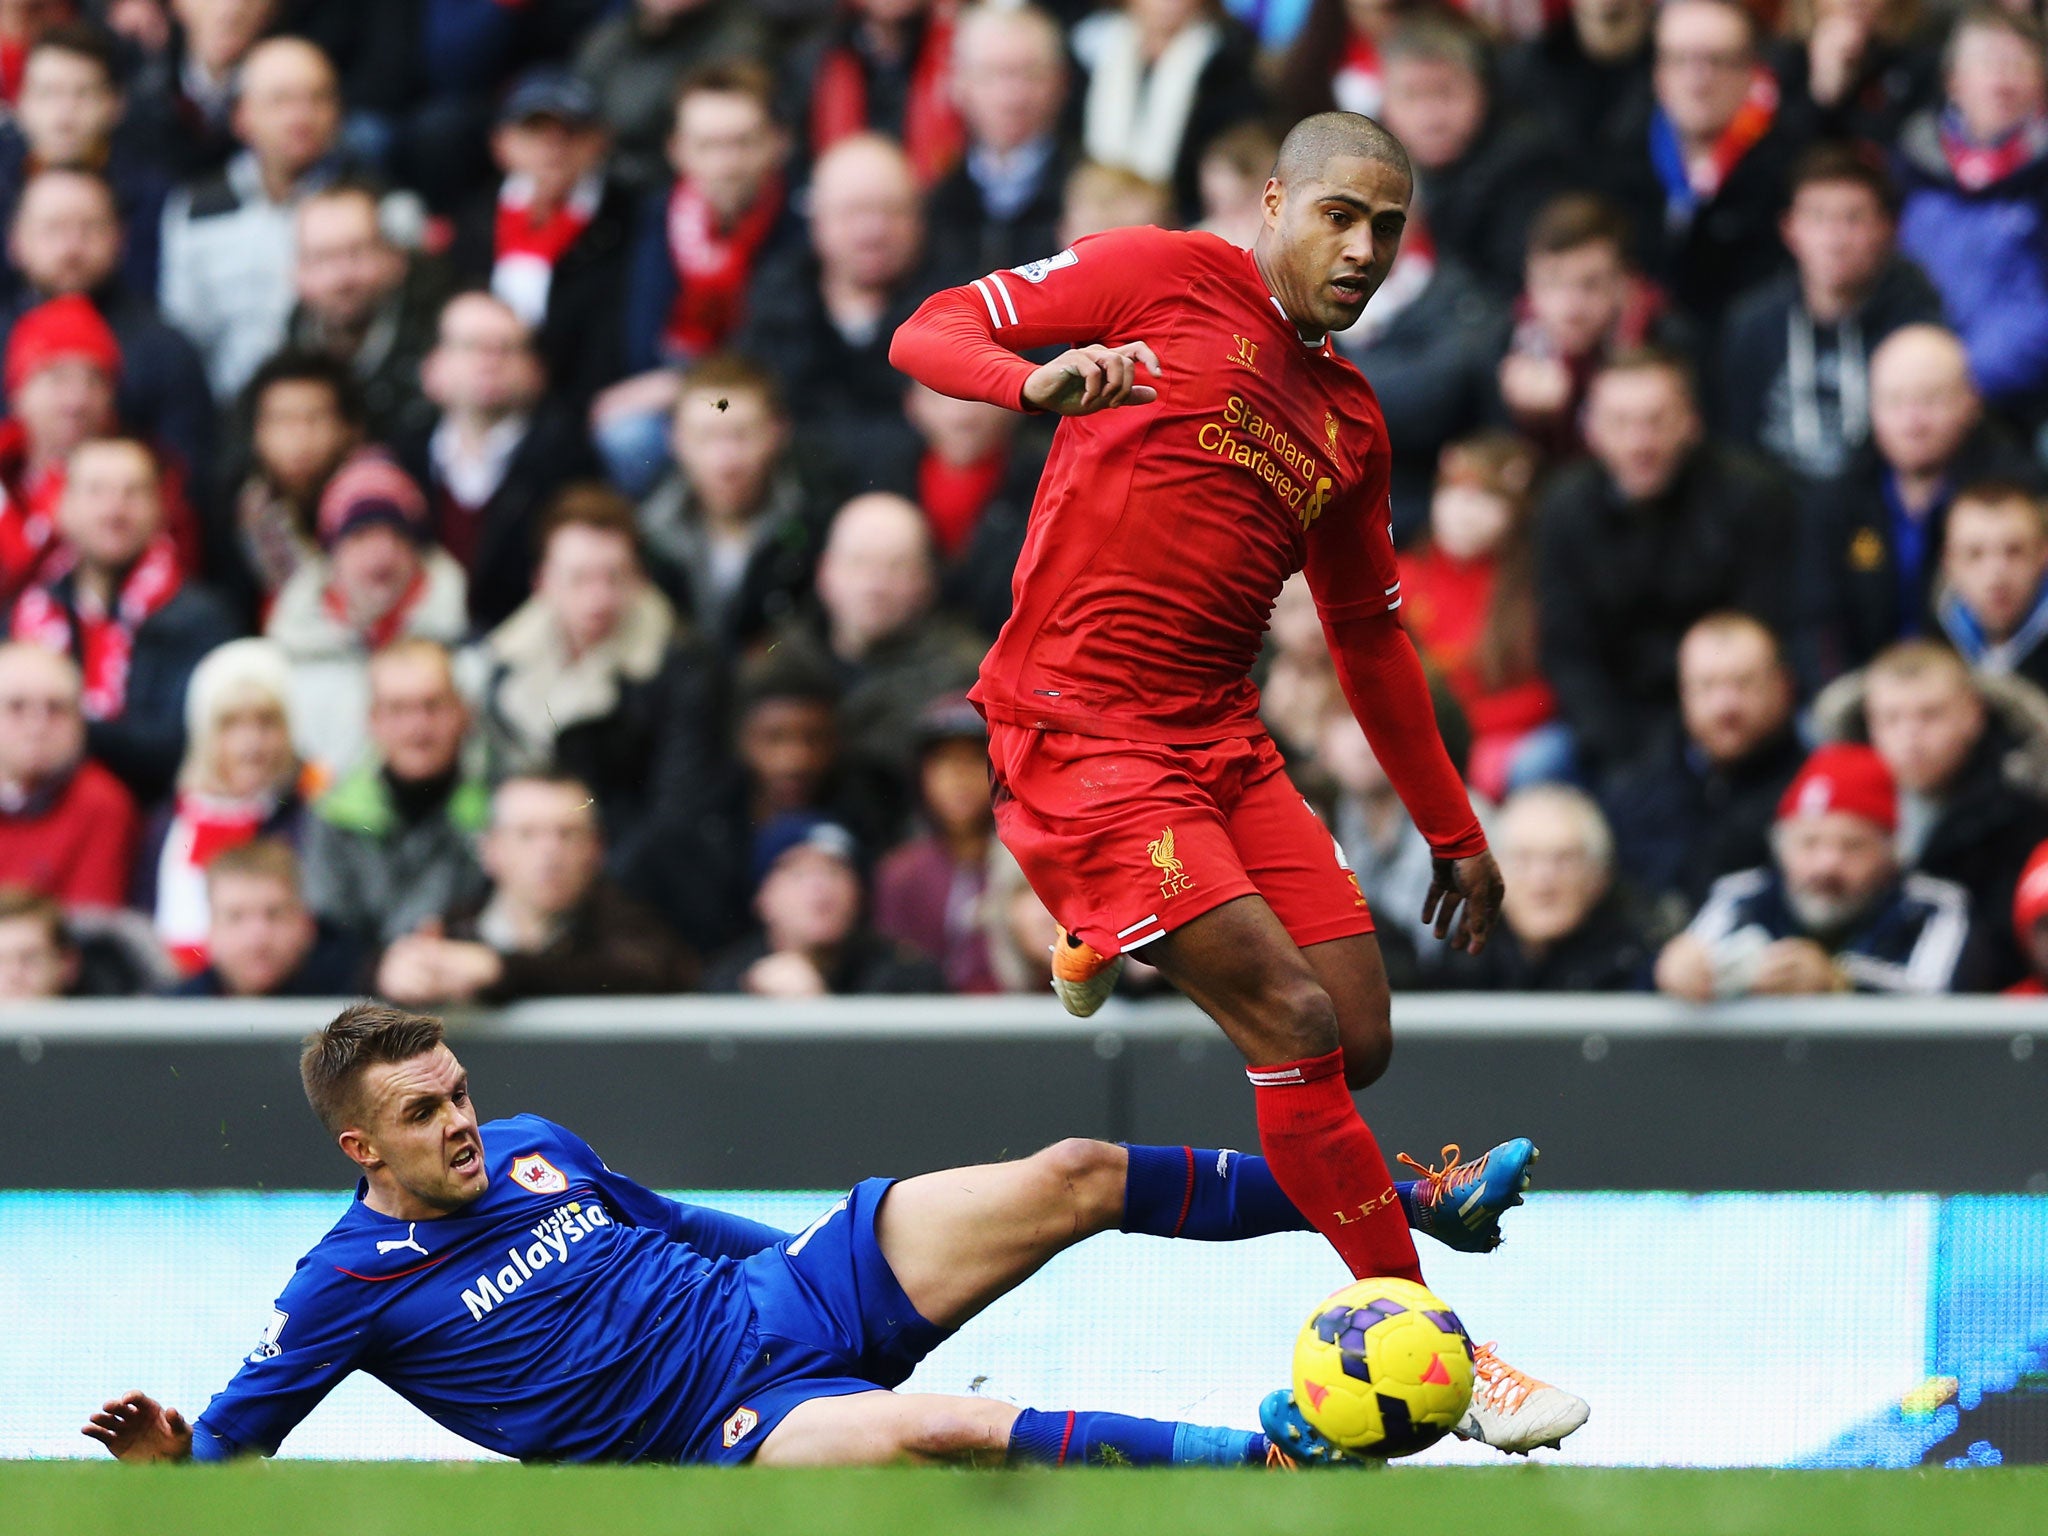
[1214, 444]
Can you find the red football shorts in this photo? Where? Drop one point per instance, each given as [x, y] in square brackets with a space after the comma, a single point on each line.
[1126, 840]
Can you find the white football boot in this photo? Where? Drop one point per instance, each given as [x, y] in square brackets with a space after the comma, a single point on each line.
[1515, 1413]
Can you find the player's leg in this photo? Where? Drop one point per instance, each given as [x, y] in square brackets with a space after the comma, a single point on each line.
[878, 1428]
[1238, 964]
[1351, 971]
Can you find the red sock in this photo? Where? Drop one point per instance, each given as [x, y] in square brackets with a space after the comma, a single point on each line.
[1326, 1161]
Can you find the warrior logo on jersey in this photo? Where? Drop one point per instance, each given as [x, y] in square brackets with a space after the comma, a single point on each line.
[739, 1426]
[1175, 879]
[267, 1347]
[1244, 352]
[534, 1172]
[1038, 271]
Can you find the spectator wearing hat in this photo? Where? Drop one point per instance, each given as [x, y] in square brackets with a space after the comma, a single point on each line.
[1992, 603]
[1699, 800]
[493, 452]
[632, 61]
[261, 938]
[928, 892]
[66, 117]
[2030, 924]
[594, 676]
[1565, 926]
[379, 577]
[732, 535]
[228, 239]
[552, 238]
[300, 417]
[697, 250]
[1970, 757]
[1832, 912]
[393, 844]
[362, 299]
[66, 238]
[552, 925]
[116, 599]
[808, 898]
[67, 826]
[1795, 352]
[61, 368]
[240, 780]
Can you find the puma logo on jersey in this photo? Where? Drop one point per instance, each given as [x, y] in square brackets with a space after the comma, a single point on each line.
[400, 1244]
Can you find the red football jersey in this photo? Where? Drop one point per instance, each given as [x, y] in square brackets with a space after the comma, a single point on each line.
[1162, 533]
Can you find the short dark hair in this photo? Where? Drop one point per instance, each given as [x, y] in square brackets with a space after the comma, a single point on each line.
[298, 366]
[1990, 16]
[590, 504]
[784, 673]
[2000, 493]
[1839, 160]
[82, 40]
[333, 1060]
[733, 77]
[1316, 140]
[1572, 221]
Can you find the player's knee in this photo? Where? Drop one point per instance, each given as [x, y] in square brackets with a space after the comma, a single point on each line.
[1297, 1018]
[1089, 1175]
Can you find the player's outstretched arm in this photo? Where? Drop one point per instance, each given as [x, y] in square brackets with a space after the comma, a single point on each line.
[136, 1427]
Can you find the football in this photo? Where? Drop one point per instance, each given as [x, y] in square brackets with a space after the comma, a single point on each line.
[1383, 1368]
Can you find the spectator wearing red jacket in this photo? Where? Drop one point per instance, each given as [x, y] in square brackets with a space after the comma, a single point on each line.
[1470, 593]
[67, 826]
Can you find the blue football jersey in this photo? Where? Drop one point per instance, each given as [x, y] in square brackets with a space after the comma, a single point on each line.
[567, 1314]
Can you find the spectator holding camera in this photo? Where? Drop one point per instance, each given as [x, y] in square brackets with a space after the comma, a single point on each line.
[1833, 911]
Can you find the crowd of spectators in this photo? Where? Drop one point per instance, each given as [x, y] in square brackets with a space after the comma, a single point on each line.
[461, 537]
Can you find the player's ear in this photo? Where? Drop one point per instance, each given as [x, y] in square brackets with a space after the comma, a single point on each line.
[1274, 195]
[355, 1145]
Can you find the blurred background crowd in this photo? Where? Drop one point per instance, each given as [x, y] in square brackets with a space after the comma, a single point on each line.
[463, 540]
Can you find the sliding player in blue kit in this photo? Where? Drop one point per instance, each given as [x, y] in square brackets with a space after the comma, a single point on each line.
[508, 1284]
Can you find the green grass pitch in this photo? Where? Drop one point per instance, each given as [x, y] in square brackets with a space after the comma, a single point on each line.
[319, 1498]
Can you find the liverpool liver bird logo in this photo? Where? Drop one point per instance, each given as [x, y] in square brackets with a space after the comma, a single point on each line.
[1174, 879]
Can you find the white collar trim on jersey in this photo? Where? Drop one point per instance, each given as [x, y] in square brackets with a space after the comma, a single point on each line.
[1280, 309]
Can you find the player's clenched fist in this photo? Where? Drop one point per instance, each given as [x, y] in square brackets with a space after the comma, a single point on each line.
[1090, 379]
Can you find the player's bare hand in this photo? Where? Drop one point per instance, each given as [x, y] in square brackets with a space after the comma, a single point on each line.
[1095, 378]
[1464, 900]
[136, 1427]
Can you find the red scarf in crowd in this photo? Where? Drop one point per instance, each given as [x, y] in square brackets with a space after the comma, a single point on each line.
[712, 266]
[1977, 166]
[384, 630]
[28, 511]
[1359, 80]
[955, 495]
[933, 135]
[519, 234]
[102, 639]
[1752, 120]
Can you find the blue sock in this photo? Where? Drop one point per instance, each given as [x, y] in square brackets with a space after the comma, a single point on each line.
[1211, 1197]
[1117, 1440]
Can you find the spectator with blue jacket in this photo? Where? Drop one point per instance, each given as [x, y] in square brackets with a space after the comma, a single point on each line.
[1976, 210]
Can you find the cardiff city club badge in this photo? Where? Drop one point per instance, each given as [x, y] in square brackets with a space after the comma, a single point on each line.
[534, 1172]
[739, 1426]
